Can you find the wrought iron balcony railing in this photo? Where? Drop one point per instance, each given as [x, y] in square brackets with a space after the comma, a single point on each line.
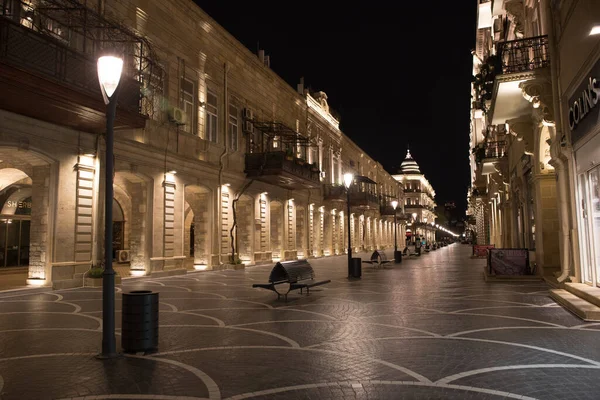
[495, 149]
[44, 56]
[363, 199]
[273, 167]
[525, 54]
[490, 150]
[334, 192]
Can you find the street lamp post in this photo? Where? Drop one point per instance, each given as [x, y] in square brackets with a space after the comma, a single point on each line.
[348, 178]
[109, 75]
[397, 254]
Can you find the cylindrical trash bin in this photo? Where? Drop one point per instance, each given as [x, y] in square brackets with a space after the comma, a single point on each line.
[356, 267]
[397, 256]
[139, 321]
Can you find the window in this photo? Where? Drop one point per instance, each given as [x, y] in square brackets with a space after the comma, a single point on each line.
[212, 114]
[233, 128]
[188, 103]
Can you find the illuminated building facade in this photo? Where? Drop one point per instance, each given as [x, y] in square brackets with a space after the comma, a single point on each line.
[419, 203]
[219, 163]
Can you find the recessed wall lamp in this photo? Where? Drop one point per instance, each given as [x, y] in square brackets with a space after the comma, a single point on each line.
[172, 172]
[227, 184]
[595, 30]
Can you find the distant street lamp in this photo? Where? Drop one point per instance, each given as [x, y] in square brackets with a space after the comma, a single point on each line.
[109, 75]
[397, 254]
[348, 178]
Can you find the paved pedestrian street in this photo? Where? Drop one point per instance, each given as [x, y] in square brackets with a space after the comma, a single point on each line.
[429, 328]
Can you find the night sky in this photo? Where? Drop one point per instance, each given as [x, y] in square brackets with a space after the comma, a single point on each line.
[397, 74]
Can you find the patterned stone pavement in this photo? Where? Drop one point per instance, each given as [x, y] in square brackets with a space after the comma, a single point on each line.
[429, 328]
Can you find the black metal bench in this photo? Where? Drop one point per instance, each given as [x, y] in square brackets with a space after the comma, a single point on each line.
[378, 258]
[289, 276]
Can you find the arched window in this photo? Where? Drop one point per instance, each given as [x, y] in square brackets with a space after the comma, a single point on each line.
[118, 228]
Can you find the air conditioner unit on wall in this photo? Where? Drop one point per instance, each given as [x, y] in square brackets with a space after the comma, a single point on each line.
[123, 256]
[248, 113]
[248, 127]
[177, 115]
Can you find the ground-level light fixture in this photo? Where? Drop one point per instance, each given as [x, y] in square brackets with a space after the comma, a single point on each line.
[595, 30]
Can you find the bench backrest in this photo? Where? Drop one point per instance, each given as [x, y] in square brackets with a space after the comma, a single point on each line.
[378, 254]
[292, 272]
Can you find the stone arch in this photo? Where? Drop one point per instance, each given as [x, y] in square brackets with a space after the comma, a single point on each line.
[199, 198]
[124, 202]
[34, 174]
[188, 236]
[276, 229]
[132, 191]
[244, 234]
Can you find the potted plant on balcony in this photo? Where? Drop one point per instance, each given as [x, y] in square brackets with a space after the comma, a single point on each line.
[289, 154]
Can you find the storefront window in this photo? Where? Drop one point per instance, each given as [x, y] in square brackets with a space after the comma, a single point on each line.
[15, 215]
[590, 224]
[594, 211]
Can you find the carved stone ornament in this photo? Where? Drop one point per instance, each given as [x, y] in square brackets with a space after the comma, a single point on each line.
[516, 12]
[523, 128]
[321, 98]
[538, 92]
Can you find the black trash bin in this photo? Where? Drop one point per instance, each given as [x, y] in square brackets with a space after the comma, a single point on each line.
[139, 321]
[397, 256]
[355, 267]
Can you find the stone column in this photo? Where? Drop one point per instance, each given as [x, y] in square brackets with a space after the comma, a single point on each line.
[546, 223]
[39, 256]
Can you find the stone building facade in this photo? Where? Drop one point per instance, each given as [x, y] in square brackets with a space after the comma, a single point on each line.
[535, 142]
[419, 201]
[512, 200]
[218, 161]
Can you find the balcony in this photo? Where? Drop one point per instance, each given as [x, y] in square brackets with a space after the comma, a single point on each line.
[43, 78]
[524, 55]
[491, 156]
[274, 168]
[333, 192]
[516, 62]
[364, 200]
[386, 209]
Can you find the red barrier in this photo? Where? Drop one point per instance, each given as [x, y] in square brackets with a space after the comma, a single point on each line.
[481, 250]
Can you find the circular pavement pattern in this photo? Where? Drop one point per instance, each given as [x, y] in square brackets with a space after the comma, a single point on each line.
[430, 327]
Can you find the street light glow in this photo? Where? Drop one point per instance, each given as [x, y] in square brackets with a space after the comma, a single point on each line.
[595, 30]
[394, 204]
[348, 178]
[109, 75]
